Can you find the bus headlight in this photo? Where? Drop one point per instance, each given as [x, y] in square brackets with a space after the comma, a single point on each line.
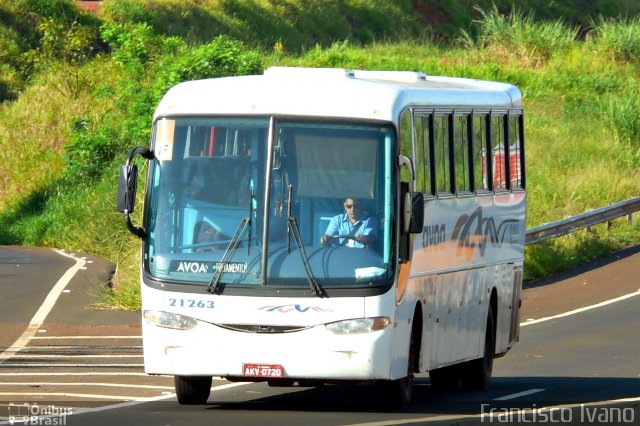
[359, 325]
[170, 320]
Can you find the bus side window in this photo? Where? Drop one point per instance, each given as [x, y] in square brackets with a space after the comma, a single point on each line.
[499, 168]
[480, 172]
[442, 154]
[406, 142]
[461, 152]
[423, 154]
[515, 151]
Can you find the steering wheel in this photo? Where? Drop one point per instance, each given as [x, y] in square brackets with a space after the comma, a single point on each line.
[332, 239]
[204, 244]
[349, 237]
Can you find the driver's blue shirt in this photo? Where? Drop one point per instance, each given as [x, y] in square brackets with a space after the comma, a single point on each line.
[340, 225]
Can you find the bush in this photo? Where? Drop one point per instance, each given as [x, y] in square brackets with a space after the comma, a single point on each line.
[88, 152]
[149, 71]
[618, 38]
[219, 58]
[520, 38]
[622, 117]
[36, 34]
[294, 24]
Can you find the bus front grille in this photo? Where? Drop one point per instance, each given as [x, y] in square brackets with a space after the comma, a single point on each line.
[261, 328]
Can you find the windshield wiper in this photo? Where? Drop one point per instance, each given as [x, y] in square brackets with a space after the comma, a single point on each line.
[250, 216]
[214, 284]
[245, 224]
[292, 225]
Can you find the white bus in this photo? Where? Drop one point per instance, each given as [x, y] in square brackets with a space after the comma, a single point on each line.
[247, 174]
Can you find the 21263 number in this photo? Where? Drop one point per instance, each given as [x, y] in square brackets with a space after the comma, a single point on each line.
[191, 303]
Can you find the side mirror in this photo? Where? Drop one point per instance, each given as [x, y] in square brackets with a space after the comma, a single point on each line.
[417, 213]
[127, 186]
[406, 211]
[412, 210]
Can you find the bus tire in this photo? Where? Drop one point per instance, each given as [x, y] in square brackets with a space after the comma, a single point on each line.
[477, 374]
[397, 394]
[192, 390]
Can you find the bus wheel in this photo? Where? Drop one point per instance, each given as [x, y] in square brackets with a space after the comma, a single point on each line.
[192, 390]
[477, 374]
[397, 393]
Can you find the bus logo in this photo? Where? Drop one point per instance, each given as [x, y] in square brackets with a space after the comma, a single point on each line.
[476, 231]
[292, 308]
[433, 235]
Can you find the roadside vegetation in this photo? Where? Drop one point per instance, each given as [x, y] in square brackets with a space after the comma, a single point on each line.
[77, 92]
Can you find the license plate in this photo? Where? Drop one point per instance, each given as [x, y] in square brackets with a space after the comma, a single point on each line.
[263, 370]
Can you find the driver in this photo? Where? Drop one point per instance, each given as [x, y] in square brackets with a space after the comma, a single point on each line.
[355, 227]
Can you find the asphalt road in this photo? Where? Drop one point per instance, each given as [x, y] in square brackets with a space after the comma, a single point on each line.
[576, 363]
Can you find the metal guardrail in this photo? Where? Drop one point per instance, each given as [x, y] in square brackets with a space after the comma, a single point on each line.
[581, 221]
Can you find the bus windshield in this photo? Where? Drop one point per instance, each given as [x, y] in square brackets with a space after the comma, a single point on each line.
[302, 199]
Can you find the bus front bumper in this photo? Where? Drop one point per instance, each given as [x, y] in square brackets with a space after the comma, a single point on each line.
[311, 353]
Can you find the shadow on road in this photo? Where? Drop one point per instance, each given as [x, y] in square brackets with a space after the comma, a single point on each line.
[363, 398]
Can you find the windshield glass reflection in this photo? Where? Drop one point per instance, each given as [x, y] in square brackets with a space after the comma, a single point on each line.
[330, 184]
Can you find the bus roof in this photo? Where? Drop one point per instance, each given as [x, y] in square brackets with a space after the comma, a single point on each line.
[332, 93]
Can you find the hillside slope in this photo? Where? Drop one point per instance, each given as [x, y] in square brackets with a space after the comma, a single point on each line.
[79, 90]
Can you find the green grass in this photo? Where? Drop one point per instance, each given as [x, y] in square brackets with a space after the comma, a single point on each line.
[76, 116]
[518, 37]
[292, 24]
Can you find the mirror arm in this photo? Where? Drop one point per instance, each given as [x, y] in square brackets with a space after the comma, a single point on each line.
[135, 230]
[405, 161]
[145, 153]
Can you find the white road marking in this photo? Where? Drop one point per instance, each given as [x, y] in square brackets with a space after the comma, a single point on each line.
[518, 395]
[70, 394]
[84, 337]
[36, 348]
[129, 403]
[48, 364]
[39, 317]
[53, 295]
[73, 356]
[85, 373]
[138, 401]
[579, 310]
[35, 326]
[115, 385]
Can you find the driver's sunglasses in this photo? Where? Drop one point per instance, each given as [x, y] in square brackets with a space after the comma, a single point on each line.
[352, 206]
